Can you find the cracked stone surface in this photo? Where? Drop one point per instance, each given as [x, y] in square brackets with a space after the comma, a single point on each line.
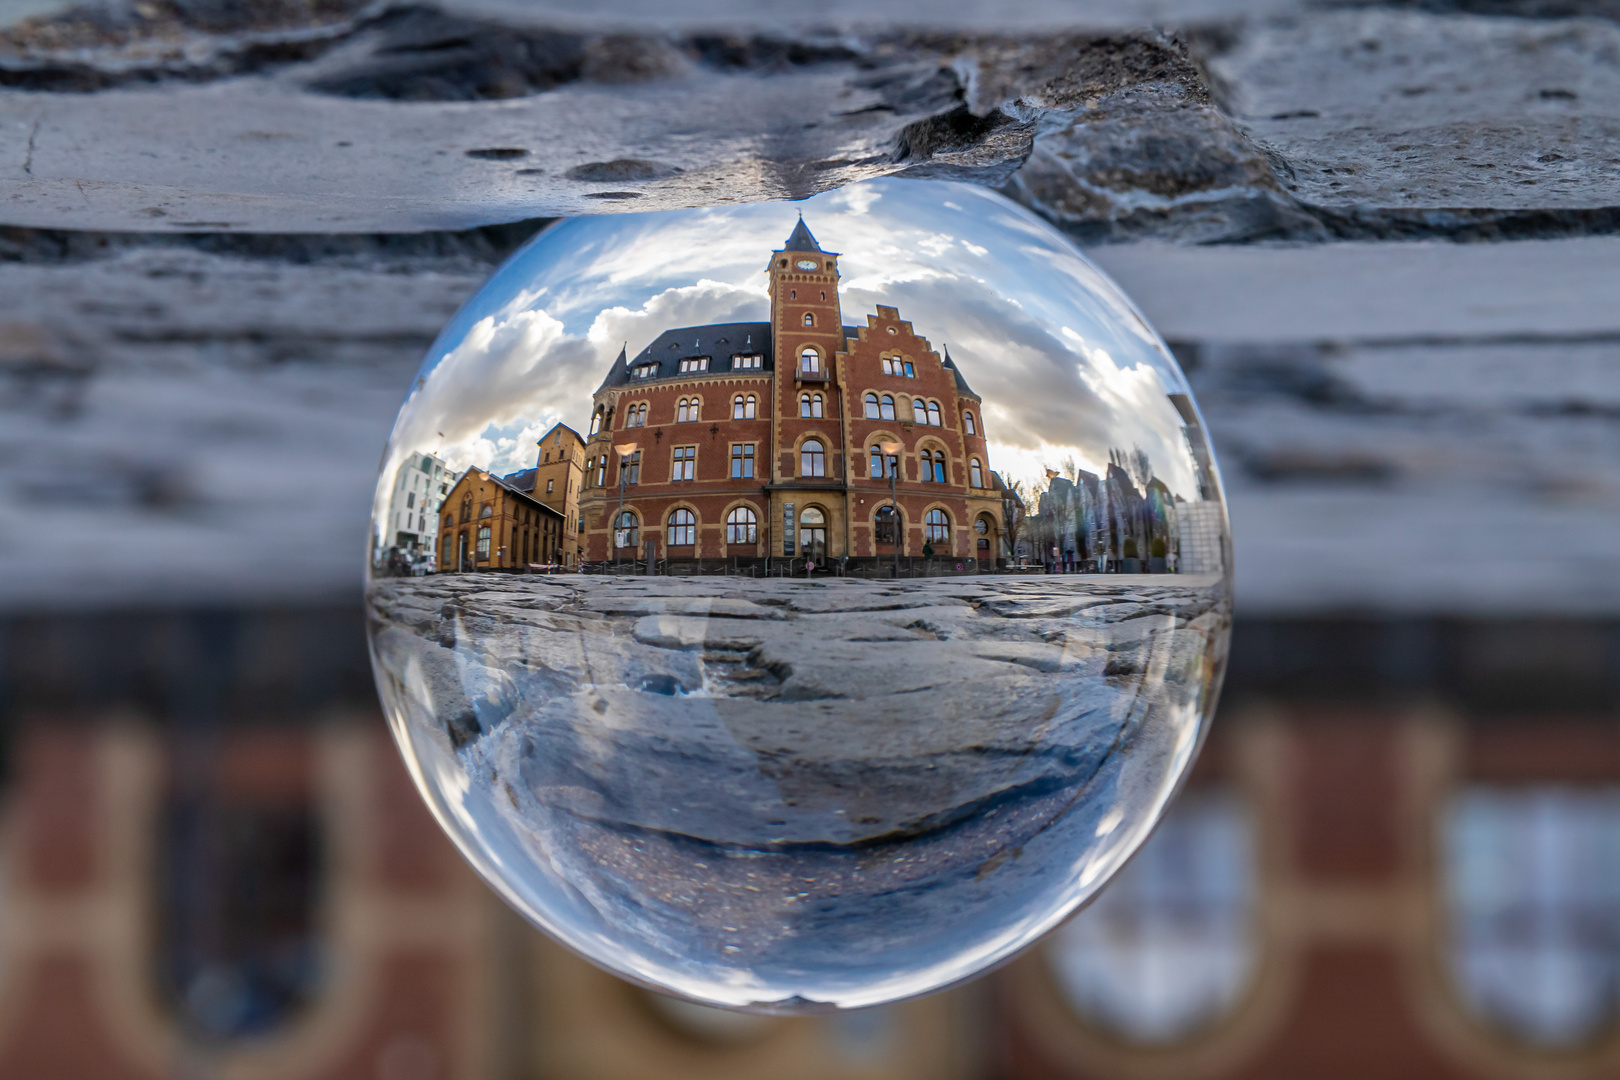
[1282, 189]
[741, 770]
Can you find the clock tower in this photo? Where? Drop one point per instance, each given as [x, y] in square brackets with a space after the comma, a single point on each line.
[807, 326]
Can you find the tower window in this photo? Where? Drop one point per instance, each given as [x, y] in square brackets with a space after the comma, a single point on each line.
[810, 361]
[596, 421]
[967, 418]
[809, 319]
[682, 528]
[812, 458]
[975, 473]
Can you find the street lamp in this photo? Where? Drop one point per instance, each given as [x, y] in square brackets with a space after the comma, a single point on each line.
[624, 450]
[891, 461]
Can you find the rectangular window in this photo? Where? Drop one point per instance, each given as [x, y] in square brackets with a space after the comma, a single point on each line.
[888, 366]
[742, 461]
[483, 544]
[601, 471]
[741, 363]
[695, 363]
[911, 372]
[632, 468]
[685, 463]
[549, 484]
[645, 371]
[410, 500]
[427, 465]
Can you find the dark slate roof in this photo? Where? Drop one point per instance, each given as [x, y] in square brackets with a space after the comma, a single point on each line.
[523, 479]
[719, 342]
[800, 239]
[961, 384]
[508, 482]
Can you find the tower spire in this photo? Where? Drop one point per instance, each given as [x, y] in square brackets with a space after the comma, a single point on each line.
[800, 239]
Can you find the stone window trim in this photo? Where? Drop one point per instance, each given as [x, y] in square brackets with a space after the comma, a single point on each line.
[635, 414]
[743, 460]
[811, 406]
[626, 529]
[880, 528]
[689, 409]
[742, 523]
[967, 422]
[744, 407]
[809, 319]
[937, 525]
[975, 473]
[811, 360]
[681, 526]
[682, 464]
[812, 454]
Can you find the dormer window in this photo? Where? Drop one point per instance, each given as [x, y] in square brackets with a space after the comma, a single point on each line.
[753, 361]
[695, 363]
[644, 371]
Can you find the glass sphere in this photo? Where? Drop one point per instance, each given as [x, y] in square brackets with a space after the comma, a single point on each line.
[799, 612]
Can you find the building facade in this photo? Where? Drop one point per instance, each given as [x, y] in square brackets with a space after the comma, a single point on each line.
[555, 480]
[797, 438]
[489, 523]
[408, 532]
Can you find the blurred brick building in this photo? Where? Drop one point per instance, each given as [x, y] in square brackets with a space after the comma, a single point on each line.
[1400, 856]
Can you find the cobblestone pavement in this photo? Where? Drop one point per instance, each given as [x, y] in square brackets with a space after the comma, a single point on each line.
[738, 768]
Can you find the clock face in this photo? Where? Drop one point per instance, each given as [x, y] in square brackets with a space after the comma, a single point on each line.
[809, 264]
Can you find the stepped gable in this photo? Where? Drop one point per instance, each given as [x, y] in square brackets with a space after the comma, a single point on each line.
[720, 342]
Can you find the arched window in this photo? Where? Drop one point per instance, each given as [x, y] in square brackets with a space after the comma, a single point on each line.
[975, 474]
[927, 471]
[466, 509]
[809, 319]
[601, 470]
[624, 534]
[810, 406]
[919, 410]
[886, 407]
[884, 525]
[810, 361]
[596, 421]
[933, 414]
[883, 466]
[941, 473]
[1531, 895]
[812, 458]
[936, 526]
[872, 407]
[483, 544]
[636, 416]
[686, 410]
[742, 408]
[487, 511]
[812, 531]
[742, 527]
[682, 531]
[967, 418]
[1170, 945]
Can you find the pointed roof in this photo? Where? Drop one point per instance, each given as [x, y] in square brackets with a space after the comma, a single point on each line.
[800, 239]
[619, 372]
[961, 384]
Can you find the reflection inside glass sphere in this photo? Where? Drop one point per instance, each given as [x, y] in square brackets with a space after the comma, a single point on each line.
[807, 622]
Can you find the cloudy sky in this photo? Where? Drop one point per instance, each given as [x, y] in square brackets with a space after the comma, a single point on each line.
[1066, 366]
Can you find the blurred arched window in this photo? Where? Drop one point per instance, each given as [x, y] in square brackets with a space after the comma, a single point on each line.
[1169, 946]
[1531, 881]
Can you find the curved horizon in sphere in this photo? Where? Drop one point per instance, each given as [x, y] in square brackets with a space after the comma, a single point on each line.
[794, 612]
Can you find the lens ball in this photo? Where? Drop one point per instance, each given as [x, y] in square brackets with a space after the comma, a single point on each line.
[793, 612]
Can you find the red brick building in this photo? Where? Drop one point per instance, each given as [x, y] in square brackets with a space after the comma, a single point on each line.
[747, 441]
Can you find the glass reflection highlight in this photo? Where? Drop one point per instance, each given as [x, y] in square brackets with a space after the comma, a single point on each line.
[808, 675]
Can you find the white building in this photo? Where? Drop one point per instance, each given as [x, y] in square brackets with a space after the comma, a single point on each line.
[411, 526]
